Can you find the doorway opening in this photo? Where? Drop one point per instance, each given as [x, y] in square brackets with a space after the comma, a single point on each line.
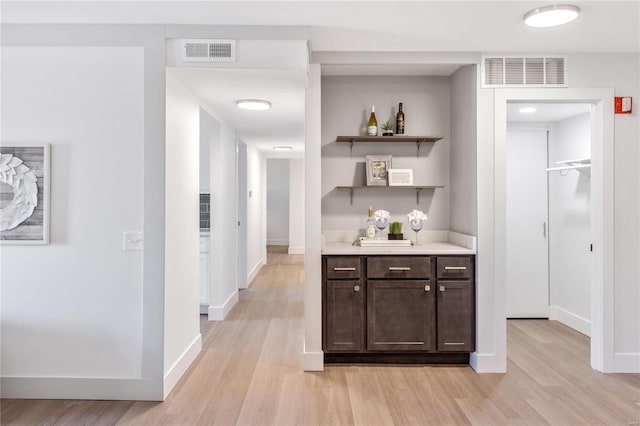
[600, 213]
[278, 204]
[549, 262]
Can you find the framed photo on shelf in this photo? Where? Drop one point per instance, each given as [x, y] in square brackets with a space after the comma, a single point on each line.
[378, 169]
[400, 177]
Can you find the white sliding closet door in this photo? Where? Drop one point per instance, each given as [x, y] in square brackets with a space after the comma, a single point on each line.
[527, 224]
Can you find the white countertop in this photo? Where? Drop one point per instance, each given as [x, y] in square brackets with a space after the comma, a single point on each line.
[429, 247]
[434, 242]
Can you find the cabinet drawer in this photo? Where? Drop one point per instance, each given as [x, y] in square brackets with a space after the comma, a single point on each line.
[343, 267]
[454, 267]
[402, 267]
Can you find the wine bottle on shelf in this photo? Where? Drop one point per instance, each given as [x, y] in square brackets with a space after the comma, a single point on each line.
[371, 225]
[400, 121]
[372, 126]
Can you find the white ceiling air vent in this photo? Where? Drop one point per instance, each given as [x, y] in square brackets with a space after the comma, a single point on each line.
[524, 71]
[199, 50]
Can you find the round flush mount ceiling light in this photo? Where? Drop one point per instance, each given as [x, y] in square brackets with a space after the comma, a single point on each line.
[283, 148]
[527, 110]
[551, 16]
[253, 104]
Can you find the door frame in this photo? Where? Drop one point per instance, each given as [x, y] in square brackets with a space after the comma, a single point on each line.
[241, 212]
[602, 210]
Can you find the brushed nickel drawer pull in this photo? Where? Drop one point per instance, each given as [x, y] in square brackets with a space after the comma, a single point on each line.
[344, 269]
[441, 288]
[427, 288]
[454, 343]
[356, 288]
[455, 268]
[399, 268]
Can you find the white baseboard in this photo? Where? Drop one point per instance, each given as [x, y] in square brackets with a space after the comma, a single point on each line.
[487, 363]
[255, 270]
[204, 309]
[312, 361]
[179, 367]
[626, 363]
[277, 242]
[296, 250]
[81, 388]
[569, 319]
[218, 313]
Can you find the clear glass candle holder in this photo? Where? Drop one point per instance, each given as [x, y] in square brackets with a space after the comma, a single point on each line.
[381, 224]
[416, 225]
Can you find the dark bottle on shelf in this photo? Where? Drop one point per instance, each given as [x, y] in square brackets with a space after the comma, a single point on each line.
[400, 121]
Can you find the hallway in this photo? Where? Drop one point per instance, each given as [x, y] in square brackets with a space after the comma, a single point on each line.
[250, 372]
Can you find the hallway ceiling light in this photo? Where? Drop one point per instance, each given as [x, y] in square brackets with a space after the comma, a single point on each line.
[253, 104]
[527, 110]
[283, 148]
[551, 16]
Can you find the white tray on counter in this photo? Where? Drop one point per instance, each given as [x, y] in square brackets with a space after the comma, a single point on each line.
[385, 243]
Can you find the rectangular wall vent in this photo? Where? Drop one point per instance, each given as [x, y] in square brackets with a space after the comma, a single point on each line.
[198, 50]
[524, 71]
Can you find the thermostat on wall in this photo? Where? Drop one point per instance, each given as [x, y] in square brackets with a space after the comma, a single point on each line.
[623, 105]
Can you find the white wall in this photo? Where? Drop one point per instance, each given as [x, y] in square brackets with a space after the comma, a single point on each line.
[205, 160]
[222, 147]
[620, 71]
[296, 206]
[346, 105]
[62, 296]
[277, 201]
[313, 357]
[463, 150]
[570, 261]
[256, 212]
[617, 71]
[182, 309]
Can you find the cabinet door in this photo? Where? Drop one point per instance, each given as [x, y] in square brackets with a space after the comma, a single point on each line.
[400, 315]
[456, 325]
[344, 315]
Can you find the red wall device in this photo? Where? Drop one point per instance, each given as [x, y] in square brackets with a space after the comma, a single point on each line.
[623, 105]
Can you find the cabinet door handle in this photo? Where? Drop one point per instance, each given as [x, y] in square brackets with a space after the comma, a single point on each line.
[427, 288]
[399, 268]
[455, 268]
[441, 288]
[344, 269]
[454, 343]
[356, 288]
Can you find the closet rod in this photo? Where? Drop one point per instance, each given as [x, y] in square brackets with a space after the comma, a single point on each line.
[580, 166]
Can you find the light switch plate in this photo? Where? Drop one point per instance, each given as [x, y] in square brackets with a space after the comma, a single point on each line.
[133, 241]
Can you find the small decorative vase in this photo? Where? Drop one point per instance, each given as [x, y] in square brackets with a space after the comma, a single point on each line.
[387, 133]
[396, 236]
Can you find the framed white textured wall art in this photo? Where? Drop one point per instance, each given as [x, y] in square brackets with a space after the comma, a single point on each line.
[400, 177]
[24, 194]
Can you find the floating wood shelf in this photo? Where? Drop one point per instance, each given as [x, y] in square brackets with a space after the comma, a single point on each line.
[417, 188]
[418, 140]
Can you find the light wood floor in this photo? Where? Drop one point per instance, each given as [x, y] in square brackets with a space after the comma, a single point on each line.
[250, 372]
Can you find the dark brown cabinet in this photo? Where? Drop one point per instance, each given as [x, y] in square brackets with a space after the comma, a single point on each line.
[343, 304]
[400, 315]
[345, 315]
[386, 308]
[455, 321]
[456, 304]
